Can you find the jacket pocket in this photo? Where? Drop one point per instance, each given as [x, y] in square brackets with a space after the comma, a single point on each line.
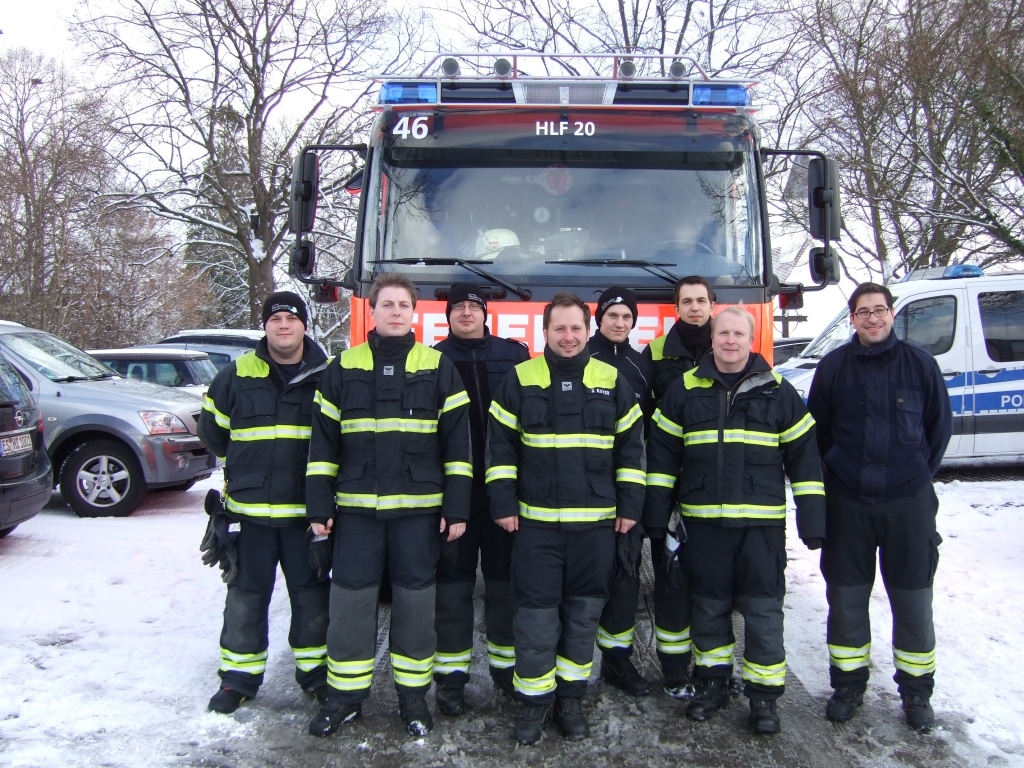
[534, 412]
[599, 414]
[419, 394]
[356, 396]
[422, 460]
[603, 485]
[239, 481]
[909, 416]
[258, 406]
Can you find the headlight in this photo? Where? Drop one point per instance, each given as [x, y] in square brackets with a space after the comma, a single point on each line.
[162, 423]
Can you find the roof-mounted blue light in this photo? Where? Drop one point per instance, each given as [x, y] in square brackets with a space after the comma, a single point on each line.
[964, 270]
[720, 95]
[408, 93]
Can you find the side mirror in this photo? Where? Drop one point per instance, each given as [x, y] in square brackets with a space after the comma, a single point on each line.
[302, 263]
[824, 267]
[823, 198]
[325, 294]
[305, 188]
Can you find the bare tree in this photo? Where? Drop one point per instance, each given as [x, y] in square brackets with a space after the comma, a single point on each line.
[218, 96]
[896, 104]
[726, 36]
[65, 265]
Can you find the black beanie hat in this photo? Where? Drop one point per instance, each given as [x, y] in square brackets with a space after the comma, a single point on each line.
[285, 301]
[461, 292]
[616, 295]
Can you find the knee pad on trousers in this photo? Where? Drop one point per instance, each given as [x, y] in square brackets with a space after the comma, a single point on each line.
[412, 622]
[763, 622]
[848, 615]
[352, 632]
[913, 629]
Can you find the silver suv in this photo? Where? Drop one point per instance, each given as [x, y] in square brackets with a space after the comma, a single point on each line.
[109, 439]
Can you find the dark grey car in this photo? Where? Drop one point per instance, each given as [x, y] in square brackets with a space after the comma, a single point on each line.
[26, 479]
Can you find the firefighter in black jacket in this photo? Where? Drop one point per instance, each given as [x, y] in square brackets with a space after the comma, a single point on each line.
[565, 471]
[256, 417]
[722, 439]
[884, 421]
[672, 355]
[389, 469]
[482, 361]
[616, 314]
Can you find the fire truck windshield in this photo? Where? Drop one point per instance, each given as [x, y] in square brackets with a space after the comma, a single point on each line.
[529, 213]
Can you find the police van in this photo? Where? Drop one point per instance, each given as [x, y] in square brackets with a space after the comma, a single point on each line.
[973, 324]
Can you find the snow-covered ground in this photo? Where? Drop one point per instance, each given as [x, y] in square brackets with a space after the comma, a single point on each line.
[109, 650]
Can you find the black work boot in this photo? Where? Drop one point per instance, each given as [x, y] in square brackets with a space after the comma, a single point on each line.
[571, 720]
[451, 699]
[531, 722]
[502, 679]
[843, 704]
[332, 716]
[711, 695]
[322, 694]
[415, 714]
[919, 713]
[763, 716]
[620, 672]
[225, 701]
[678, 685]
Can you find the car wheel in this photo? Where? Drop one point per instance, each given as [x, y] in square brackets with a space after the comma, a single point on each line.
[102, 478]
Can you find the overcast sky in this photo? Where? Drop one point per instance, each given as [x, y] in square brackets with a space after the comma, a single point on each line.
[40, 25]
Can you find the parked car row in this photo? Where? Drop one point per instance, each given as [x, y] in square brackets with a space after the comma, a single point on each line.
[104, 433]
[189, 369]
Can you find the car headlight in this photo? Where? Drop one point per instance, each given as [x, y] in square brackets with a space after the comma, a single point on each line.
[162, 423]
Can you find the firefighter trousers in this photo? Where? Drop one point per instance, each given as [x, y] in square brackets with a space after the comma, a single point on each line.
[618, 619]
[244, 637]
[410, 547]
[741, 568]
[901, 535]
[561, 581]
[487, 543]
[671, 619]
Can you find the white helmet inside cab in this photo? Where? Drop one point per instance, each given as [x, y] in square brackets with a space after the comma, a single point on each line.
[490, 241]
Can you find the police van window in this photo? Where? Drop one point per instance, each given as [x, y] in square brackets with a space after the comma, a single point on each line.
[929, 323]
[1002, 323]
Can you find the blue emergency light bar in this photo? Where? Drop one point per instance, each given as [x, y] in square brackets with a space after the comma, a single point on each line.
[634, 80]
[943, 273]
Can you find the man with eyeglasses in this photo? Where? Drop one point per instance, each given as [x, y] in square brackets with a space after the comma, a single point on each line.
[884, 421]
[482, 361]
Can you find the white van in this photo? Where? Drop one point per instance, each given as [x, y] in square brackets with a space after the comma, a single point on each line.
[974, 326]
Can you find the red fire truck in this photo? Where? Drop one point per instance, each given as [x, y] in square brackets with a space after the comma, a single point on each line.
[528, 183]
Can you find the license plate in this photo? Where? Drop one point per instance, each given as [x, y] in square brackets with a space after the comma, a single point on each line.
[15, 444]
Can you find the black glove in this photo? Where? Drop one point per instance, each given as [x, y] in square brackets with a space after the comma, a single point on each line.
[321, 555]
[218, 544]
[628, 549]
[674, 576]
[814, 542]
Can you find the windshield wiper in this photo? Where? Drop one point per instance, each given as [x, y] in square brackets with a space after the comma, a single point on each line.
[523, 293]
[655, 268]
[66, 379]
[99, 376]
